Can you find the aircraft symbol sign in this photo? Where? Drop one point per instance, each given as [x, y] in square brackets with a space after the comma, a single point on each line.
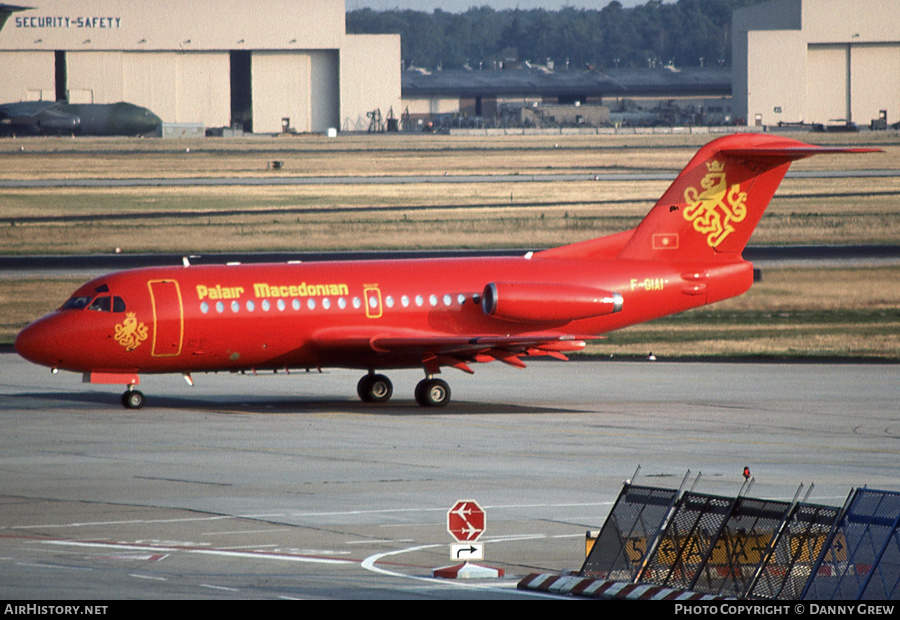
[466, 521]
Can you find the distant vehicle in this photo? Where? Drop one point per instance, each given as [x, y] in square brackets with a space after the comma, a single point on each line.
[880, 123]
[836, 125]
[51, 118]
[425, 313]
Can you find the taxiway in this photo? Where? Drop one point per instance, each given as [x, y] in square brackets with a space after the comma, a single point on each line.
[279, 486]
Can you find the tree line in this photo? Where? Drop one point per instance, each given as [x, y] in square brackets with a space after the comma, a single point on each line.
[689, 33]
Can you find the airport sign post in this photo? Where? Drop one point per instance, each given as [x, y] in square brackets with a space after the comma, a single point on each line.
[466, 521]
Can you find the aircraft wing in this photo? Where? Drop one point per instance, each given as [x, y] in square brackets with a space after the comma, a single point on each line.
[38, 116]
[436, 350]
[22, 112]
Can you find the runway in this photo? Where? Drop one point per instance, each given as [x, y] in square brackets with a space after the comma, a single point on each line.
[287, 487]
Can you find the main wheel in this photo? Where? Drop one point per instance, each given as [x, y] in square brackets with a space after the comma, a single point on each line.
[374, 389]
[433, 393]
[133, 399]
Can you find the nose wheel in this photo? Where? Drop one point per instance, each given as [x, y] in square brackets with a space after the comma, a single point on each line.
[133, 399]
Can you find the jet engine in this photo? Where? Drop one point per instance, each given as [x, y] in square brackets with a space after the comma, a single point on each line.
[538, 302]
[54, 122]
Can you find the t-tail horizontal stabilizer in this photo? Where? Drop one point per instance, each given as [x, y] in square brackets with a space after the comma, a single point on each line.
[714, 205]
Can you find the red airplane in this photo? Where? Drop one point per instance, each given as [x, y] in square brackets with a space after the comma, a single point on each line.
[433, 313]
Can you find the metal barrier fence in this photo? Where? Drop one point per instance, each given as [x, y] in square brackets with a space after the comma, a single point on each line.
[752, 548]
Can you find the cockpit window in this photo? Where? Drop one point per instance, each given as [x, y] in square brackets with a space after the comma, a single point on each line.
[76, 303]
[104, 303]
[101, 304]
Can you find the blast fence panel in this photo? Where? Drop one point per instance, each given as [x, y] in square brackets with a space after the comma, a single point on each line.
[633, 523]
[862, 560]
[787, 568]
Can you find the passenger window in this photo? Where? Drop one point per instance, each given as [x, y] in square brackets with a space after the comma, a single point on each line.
[101, 304]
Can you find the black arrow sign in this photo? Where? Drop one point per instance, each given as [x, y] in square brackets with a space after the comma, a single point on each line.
[470, 550]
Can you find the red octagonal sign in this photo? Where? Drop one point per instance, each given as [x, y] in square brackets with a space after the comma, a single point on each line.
[466, 520]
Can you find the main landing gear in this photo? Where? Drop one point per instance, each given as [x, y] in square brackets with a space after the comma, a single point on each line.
[430, 392]
[374, 388]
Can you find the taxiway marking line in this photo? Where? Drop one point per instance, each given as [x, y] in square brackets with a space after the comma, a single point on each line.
[261, 555]
[343, 513]
[369, 564]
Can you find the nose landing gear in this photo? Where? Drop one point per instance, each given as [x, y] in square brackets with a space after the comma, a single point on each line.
[133, 399]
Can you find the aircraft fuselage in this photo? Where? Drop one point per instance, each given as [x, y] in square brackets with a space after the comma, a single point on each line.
[273, 316]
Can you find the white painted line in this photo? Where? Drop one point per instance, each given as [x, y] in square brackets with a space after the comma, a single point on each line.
[242, 532]
[284, 515]
[369, 564]
[55, 566]
[130, 522]
[262, 555]
[379, 541]
[211, 587]
[148, 577]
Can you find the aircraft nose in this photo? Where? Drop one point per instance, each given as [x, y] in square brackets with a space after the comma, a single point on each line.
[38, 344]
[146, 122]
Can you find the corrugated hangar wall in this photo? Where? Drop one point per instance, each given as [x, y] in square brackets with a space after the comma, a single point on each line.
[817, 61]
[208, 61]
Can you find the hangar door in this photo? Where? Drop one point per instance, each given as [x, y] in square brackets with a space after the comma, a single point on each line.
[828, 83]
[874, 82]
[179, 87]
[300, 86]
[853, 82]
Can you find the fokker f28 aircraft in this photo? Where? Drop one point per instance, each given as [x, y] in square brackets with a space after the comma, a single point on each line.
[435, 313]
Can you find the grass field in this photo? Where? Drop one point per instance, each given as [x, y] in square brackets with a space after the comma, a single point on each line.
[793, 312]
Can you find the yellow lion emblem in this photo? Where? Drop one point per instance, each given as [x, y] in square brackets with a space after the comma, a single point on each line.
[129, 333]
[714, 209]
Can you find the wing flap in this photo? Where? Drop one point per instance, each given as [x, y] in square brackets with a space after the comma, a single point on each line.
[437, 350]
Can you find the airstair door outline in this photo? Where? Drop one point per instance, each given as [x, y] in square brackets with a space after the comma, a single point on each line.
[168, 318]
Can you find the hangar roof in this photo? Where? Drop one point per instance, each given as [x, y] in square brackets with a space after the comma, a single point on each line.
[713, 82]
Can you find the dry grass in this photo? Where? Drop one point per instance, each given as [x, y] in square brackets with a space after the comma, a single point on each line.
[852, 312]
[418, 215]
[421, 215]
[377, 155]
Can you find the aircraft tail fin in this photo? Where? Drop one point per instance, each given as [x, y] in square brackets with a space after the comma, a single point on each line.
[714, 205]
[6, 10]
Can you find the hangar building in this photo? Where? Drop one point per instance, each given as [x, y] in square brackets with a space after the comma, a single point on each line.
[816, 61]
[216, 62]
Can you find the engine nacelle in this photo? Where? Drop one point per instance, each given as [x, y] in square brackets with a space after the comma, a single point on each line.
[538, 302]
[60, 123]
